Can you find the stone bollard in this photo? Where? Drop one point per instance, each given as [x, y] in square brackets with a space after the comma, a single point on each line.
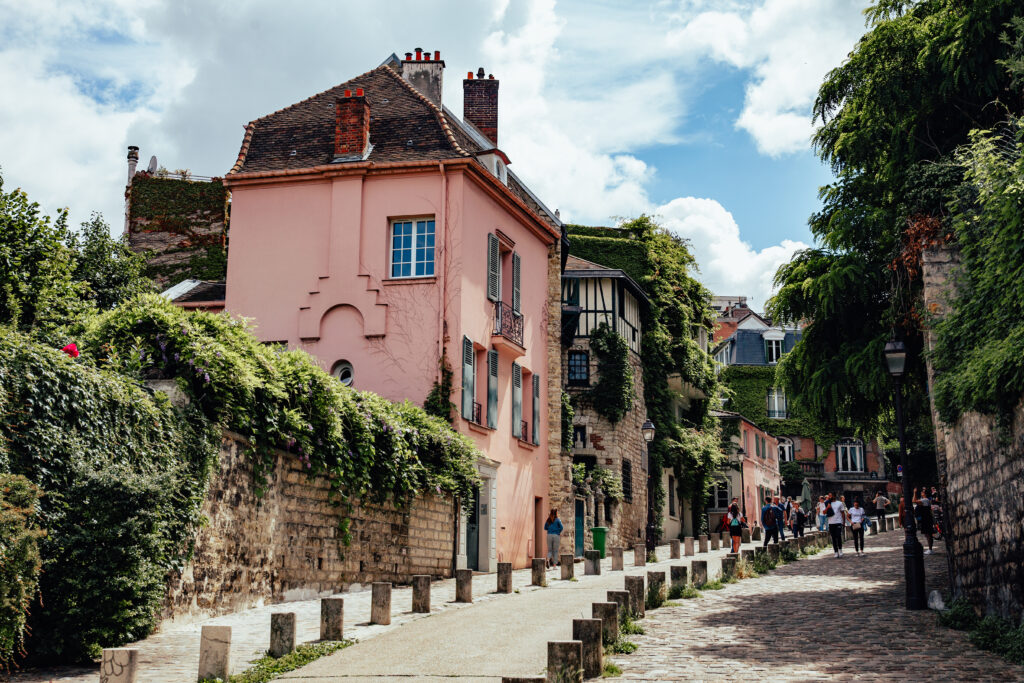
[590, 632]
[677, 574]
[620, 598]
[747, 555]
[380, 603]
[332, 620]
[504, 578]
[592, 562]
[774, 552]
[639, 555]
[745, 535]
[688, 546]
[282, 633]
[728, 567]
[523, 679]
[565, 661]
[713, 539]
[568, 568]
[119, 665]
[539, 572]
[617, 564]
[608, 613]
[700, 572]
[673, 549]
[890, 524]
[656, 585]
[726, 539]
[464, 583]
[421, 594]
[635, 587]
[755, 534]
[703, 543]
[874, 530]
[215, 652]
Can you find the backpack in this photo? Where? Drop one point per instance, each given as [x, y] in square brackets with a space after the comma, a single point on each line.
[801, 516]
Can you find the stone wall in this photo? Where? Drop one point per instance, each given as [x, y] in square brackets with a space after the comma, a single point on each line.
[287, 545]
[982, 474]
[560, 494]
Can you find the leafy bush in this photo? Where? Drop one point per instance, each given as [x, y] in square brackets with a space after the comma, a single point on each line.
[610, 483]
[745, 570]
[628, 625]
[991, 633]
[714, 585]
[655, 597]
[612, 395]
[19, 560]
[789, 554]
[623, 647]
[568, 414]
[763, 563]
[960, 615]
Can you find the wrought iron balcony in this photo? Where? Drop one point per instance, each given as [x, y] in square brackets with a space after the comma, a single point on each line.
[478, 411]
[778, 414]
[508, 324]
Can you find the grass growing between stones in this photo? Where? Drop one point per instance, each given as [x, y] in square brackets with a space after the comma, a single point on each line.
[715, 585]
[683, 592]
[622, 647]
[993, 634]
[789, 555]
[652, 557]
[629, 627]
[610, 671]
[763, 563]
[268, 668]
[655, 597]
[745, 570]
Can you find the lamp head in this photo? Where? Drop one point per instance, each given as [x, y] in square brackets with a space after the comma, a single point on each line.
[895, 357]
[648, 431]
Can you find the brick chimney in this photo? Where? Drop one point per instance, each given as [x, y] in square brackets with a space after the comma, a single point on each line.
[480, 103]
[425, 74]
[351, 126]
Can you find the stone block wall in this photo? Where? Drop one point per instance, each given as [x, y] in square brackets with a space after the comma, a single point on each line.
[287, 545]
[560, 494]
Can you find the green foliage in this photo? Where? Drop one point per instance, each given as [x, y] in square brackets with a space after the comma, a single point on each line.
[763, 563]
[991, 633]
[268, 668]
[960, 615]
[623, 647]
[611, 670]
[745, 570]
[714, 585]
[789, 554]
[111, 271]
[19, 561]
[978, 356]
[612, 395]
[439, 402]
[609, 482]
[628, 625]
[125, 475]
[579, 474]
[371, 450]
[655, 597]
[568, 414]
[791, 472]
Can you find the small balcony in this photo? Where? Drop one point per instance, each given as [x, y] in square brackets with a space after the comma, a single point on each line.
[778, 414]
[524, 431]
[854, 476]
[812, 469]
[478, 412]
[507, 335]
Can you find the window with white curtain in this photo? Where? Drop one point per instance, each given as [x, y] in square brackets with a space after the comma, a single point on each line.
[850, 456]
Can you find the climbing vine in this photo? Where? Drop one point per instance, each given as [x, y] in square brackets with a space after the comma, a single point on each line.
[438, 402]
[612, 394]
[568, 414]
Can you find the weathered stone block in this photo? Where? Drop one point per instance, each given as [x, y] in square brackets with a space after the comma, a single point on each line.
[617, 564]
[119, 665]
[745, 536]
[380, 603]
[332, 619]
[590, 632]
[755, 533]
[656, 584]
[639, 555]
[591, 562]
[565, 661]
[703, 543]
[620, 598]
[282, 633]
[608, 613]
[678, 575]
[568, 567]
[538, 572]
[747, 555]
[714, 541]
[725, 538]
[728, 567]
[421, 594]
[688, 546]
[699, 568]
[504, 577]
[464, 584]
[635, 588]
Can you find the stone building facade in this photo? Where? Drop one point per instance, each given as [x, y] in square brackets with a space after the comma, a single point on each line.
[286, 545]
[983, 478]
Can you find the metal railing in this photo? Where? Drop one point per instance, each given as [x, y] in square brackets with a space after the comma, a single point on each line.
[778, 414]
[478, 411]
[812, 467]
[524, 430]
[508, 323]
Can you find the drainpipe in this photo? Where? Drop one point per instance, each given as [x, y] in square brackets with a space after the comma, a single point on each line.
[442, 276]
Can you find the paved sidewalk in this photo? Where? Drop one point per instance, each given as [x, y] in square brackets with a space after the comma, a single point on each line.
[172, 655]
[816, 619]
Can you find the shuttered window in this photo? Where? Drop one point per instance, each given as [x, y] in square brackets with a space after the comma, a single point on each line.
[536, 409]
[468, 378]
[517, 400]
[515, 283]
[493, 268]
[492, 389]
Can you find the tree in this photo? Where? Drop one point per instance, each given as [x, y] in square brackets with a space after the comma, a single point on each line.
[109, 268]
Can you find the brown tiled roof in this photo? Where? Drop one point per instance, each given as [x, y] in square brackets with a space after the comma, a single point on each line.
[404, 126]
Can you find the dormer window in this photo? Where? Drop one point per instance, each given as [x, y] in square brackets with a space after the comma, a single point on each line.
[494, 163]
[773, 345]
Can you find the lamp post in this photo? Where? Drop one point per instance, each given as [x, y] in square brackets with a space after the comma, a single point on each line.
[648, 433]
[913, 553]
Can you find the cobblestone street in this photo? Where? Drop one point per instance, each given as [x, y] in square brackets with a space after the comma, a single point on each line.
[816, 619]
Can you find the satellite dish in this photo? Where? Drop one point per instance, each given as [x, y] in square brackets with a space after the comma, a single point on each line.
[152, 165]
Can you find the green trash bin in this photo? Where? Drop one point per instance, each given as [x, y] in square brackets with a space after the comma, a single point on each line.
[600, 533]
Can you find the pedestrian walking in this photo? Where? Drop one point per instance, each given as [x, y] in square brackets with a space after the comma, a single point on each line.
[768, 521]
[780, 518]
[736, 524]
[798, 519]
[880, 502]
[822, 516]
[858, 516]
[923, 510]
[553, 527]
[836, 510]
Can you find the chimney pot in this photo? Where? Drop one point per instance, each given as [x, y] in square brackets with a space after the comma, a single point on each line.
[348, 93]
[419, 53]
[408, 56]
[490, 76]
[480, 72]
[359, 92]
[426, 56]
[469, 76]
[437, 55]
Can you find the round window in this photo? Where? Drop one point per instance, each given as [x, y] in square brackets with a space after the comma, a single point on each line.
[342, 371]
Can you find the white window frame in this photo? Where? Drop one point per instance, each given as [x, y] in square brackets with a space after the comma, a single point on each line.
[714, 494]
[850, 456]
[772, 351]
[777, 403]
[414, 262]
[786, 453]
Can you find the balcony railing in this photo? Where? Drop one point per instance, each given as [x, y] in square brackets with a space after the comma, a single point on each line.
[524, 430]
[853, 476]
[812, 468]
[508, 323]
[478, 412]
[778, 414]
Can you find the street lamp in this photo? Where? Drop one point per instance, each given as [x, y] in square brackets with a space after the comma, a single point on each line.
[913, 553]
[648, 433]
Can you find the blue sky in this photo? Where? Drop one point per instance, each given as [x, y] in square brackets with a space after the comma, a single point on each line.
[697, 111]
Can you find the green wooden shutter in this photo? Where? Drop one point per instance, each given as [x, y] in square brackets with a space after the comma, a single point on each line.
[515, 283]
[492, 389]
[468, 377]
[536, 409]
[493, 268]
[517, 400]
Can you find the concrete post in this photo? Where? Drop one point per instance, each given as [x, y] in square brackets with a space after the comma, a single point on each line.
[639, 555]
[726, 540]
[656, 584]
[608, 613]
[747, 555]
[464, 584]
[774, 552]
[332, 620]
[673, 549]
[874, 530]
[635, 586]
[504, 578]
[688, 546]
[728, 567]
[703, 543]
[380, 603]
[282, 633]
[755, 534]
[565, 661]
[890, 524]
[700, 572]
[421, 594]
[214, 652]
[538, 572]
[119, 665]
[714, 541]
[590, 632]
[677, 575]
[617, 564]
[568, 568]
[591, 562]
[745, 535]
[620, 598]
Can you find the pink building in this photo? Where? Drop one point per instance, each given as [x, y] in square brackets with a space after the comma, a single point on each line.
[373, 228]
[751, 472]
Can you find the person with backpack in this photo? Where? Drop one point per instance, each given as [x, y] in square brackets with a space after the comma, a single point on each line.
[735, 526]
[769, 523]
[836, 511]
[781, 518]
[798, 518]
[858, 516]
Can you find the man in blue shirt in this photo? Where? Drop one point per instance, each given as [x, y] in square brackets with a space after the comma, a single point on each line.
[770, 523]
[780, 517]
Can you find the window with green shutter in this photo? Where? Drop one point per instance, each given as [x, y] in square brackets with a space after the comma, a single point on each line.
[517, 400]
[536, 409]
[492, 389]
[516, 300]
[468, 378]
[493, 268]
